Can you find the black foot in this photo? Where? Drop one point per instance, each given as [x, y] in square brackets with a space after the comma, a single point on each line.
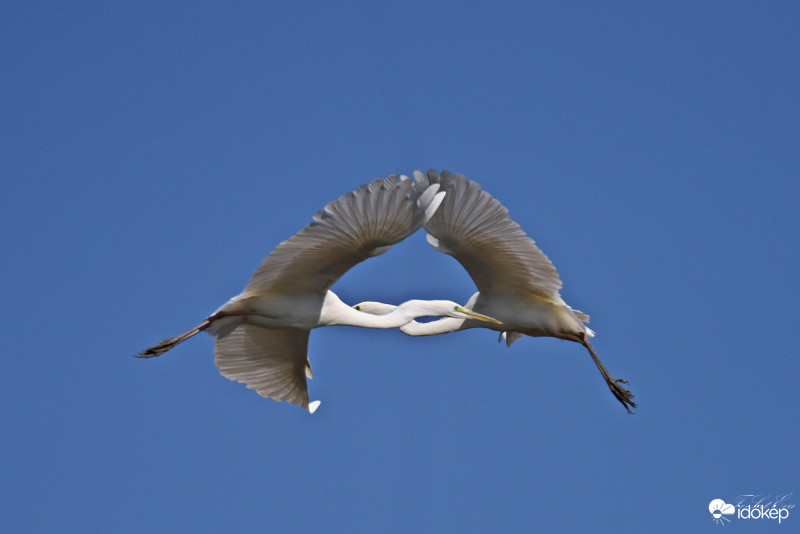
[623, 395]
[157, 350]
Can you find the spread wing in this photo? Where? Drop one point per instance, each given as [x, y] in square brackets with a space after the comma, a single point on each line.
[271, 361]
[358, 225]
[475, 229]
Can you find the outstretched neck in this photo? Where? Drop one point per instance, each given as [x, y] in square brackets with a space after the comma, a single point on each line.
[336, 312]
[445, 324]
[440, 326]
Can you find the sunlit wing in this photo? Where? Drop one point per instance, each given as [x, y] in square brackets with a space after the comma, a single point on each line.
[475, 229]
[358, 225]
[273, 362]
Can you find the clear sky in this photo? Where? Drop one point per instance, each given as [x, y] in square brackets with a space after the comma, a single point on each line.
[153, 153]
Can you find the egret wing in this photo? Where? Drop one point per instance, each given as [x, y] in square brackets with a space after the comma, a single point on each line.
[273, 362]
[358, 225]
[475, 229]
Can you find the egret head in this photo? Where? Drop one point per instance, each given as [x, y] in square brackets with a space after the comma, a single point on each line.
[461, 311]
[424, 308]
[375, 308]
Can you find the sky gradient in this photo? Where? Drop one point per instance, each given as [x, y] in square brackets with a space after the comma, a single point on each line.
[154, 153]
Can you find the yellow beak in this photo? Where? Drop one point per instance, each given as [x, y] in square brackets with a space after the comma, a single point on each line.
[477, 316]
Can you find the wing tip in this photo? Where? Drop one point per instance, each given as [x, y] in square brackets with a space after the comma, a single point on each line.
[434, 203]
[312, 406]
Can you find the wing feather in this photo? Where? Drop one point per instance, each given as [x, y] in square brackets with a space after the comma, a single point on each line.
[270, 361]
[475, 229]
[360, 224]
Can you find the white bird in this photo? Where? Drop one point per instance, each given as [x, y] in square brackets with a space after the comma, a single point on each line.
[262, 333]
[517, 284]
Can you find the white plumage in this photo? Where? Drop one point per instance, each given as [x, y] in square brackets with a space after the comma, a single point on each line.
[262, 333]
[517, 284]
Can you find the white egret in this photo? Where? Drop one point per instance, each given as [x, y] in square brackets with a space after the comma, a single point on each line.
[517, 284]
[262, 333]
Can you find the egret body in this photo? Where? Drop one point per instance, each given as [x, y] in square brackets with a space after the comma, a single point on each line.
[261, 335]
[517, 284]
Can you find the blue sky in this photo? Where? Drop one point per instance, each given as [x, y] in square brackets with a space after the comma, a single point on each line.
[154, 153]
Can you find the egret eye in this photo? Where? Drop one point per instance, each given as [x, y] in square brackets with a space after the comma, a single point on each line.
[357, 307]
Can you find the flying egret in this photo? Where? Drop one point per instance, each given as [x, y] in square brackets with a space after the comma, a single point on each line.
[262, 333]
[517, 284]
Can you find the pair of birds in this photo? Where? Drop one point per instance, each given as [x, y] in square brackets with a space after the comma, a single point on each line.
[262, 333]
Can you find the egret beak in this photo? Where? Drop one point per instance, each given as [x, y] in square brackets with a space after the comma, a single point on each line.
[477, 316]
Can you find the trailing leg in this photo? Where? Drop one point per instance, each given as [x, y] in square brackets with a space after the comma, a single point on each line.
[623, 395]
[165, 344]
